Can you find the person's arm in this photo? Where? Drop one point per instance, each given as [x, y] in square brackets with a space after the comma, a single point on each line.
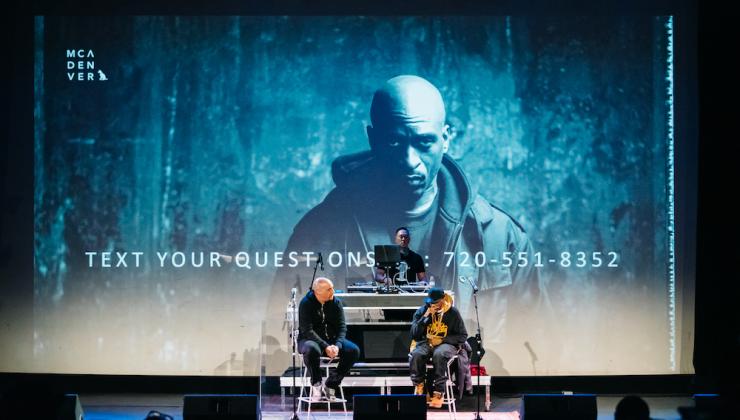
[421, 274]
[419, 324]
[456, 332]
[305, 326]
[342, 328]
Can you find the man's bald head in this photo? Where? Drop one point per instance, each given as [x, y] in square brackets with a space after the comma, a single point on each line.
[407, 99]
[323, 289]
[322, 281]
[409, 138]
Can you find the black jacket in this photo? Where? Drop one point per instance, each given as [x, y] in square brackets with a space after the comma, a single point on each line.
[465, 223]
[456, 332]
[323, 324]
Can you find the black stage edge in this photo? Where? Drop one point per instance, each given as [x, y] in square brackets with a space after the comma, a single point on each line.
[622, 384]
[139, 384]
[503, 385]
[617, 384]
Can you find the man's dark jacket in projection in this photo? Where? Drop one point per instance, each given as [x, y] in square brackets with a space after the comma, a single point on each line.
[465, 223]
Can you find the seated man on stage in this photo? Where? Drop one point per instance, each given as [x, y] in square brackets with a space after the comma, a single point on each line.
[322, 331]
[438, 332]
[415, 269]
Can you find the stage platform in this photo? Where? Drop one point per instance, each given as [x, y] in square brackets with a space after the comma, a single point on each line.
[384, 385]
[136, 407]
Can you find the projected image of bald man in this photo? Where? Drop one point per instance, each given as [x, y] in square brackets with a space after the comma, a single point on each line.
[409, 136]
[406, 178]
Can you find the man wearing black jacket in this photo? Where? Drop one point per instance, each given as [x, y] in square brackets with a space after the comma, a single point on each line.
[322, 332]
[438, 332]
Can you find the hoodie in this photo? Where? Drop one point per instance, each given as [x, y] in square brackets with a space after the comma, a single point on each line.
[353, 217]
[445, 327]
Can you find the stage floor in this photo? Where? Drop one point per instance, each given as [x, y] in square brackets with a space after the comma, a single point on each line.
[136, 407]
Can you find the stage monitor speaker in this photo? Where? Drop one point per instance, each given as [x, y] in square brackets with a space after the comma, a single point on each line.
[707, 407]
[558, 407]
[23, 403]
[71, 408]
[707, 402]
[222, 406]
[397, 407]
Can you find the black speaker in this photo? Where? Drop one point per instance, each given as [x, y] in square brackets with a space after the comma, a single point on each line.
[707, 402]
[218, 407]
[71, 408]
[397, 407]
[557, 406]
[24, 403]
[707, 407]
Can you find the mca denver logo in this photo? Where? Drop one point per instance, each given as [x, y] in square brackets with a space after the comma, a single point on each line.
[81, 66]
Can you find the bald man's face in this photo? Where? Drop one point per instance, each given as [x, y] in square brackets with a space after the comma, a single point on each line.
[410, 150]
[324, 291]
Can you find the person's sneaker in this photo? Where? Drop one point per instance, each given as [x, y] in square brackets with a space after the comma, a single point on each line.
[436, 401]
[419, 389]
[316, 392]
[331, 394]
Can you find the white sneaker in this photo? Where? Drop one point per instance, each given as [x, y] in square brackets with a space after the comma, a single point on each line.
[331, 394]
[316, 392]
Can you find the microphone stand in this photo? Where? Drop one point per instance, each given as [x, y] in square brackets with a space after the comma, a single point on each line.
[479, 339]
[387, 281]
[319, 260]
[294, 339]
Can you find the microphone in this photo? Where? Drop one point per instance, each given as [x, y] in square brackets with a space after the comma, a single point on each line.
[464, 279]
[321, 262]
[475, 288]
